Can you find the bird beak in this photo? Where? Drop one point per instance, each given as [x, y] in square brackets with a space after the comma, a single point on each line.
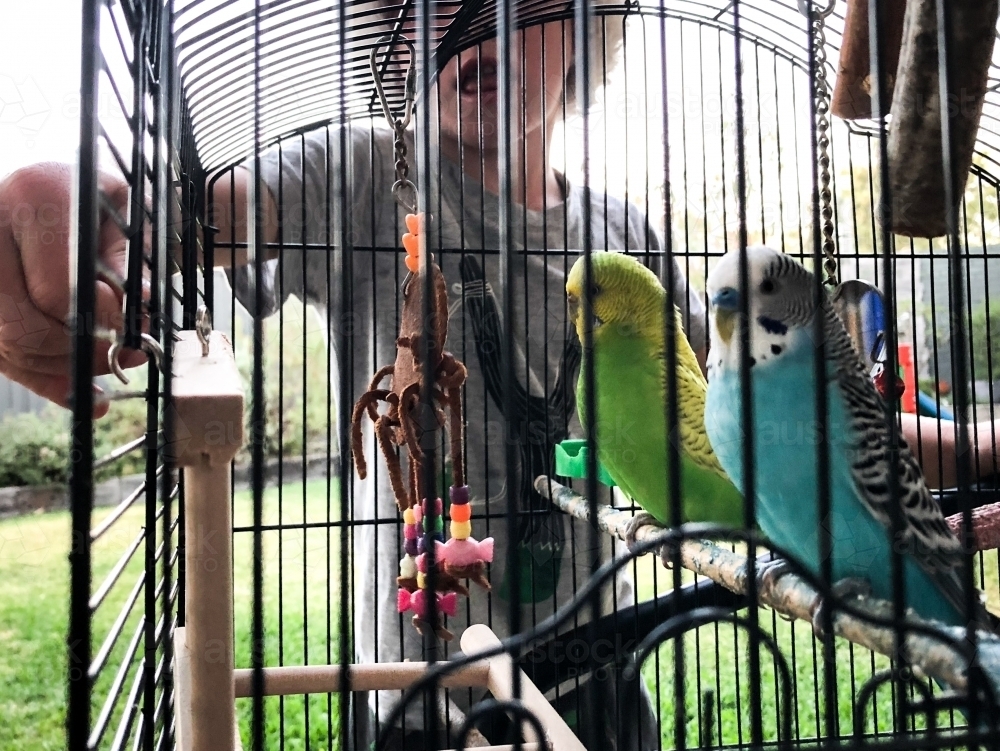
[727, 299]
[726, 303]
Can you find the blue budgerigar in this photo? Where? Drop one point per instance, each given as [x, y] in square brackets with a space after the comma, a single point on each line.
[786, 433]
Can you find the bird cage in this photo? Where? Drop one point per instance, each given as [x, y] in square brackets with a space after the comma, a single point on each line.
[272, 152]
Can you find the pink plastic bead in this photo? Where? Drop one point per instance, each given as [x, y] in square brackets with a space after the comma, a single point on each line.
[466, 552]
[438, 507]
[417, 602]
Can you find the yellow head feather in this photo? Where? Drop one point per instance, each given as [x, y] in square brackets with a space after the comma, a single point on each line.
[625, 295]
[629, 299]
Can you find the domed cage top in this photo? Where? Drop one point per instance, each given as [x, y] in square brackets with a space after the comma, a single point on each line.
[260, 166]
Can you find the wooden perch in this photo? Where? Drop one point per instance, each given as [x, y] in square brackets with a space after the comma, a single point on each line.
[479, 638]
[916, 170]
[325, 679]
[494, 673]
[985, 527]
[852, 94]
[791, 595]
[207, 433]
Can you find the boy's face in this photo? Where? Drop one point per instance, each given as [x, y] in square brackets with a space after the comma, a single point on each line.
[468, 86]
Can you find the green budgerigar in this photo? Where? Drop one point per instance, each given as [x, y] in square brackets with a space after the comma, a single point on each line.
[630, 370]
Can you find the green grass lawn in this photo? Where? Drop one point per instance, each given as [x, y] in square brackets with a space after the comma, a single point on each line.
[716, 660]
[301, 613]
[34, 602]
[34, 609]
[301, 605]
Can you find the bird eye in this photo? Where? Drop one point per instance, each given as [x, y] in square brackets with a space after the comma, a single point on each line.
[595, 290]
[767, 286]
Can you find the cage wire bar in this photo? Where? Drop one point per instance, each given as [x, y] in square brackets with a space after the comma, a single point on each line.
[134, 159]
[222, 85]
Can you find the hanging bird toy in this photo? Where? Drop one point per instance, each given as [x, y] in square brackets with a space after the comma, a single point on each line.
[408, 423]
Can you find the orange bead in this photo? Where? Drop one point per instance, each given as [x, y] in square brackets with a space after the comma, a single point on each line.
[460, 512]
[412, 264]
[411, 244]
[413, 223]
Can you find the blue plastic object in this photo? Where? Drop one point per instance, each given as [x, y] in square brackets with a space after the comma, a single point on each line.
[927, 406]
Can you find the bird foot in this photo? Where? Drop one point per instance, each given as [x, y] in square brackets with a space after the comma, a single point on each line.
[767, 573]
[641, 519]
[845, 589]
[670, 551]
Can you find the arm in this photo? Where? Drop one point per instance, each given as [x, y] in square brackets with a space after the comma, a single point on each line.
[35, 266]
[35, 285]
[229, 214]
[937, 456]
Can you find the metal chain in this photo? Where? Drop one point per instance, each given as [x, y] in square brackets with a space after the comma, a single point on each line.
[403, 190]
[817, 19]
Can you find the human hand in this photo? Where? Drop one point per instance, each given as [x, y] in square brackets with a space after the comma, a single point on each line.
[35, 285]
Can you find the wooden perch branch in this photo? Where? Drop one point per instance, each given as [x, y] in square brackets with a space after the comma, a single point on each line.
[916, 165]
[985, 527]
[852, 93]
[789, 594]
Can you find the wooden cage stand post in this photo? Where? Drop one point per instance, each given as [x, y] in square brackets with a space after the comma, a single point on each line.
[207, 433]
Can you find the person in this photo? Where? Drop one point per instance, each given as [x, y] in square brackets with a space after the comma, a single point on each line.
[299, 211]
[548, 218]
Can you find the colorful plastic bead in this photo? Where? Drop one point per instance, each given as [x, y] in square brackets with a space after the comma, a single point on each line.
[438, 523]
[418, 602]
[420, 541]
[407, 567]
[438, 507]
[460, 512]
[461, 553]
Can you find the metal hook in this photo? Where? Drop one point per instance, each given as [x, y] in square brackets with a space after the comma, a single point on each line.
[149, 345]
[805, 5]
[405, 193]
[203, 328]
[399, 125]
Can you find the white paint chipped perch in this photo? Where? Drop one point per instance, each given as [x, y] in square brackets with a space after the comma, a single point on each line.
[792, 596]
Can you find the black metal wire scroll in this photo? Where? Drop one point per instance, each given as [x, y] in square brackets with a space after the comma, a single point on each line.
[629, 664]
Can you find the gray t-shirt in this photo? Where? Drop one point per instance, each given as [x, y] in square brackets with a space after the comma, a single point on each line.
[552, 549]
